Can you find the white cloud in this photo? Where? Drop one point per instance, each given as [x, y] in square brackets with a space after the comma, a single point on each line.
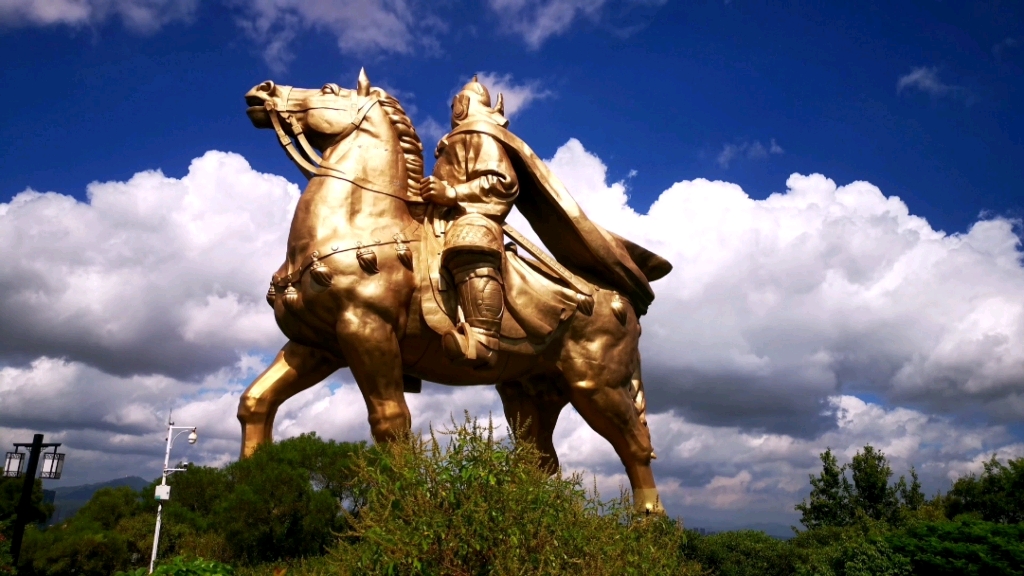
[361, 27]
[538, 20]
[517, 96]
[926, 79]
[725, 472]
[777, 304]
[430, 131]
[152, 275]
[142, 16]
[751, 150]
[779, 310]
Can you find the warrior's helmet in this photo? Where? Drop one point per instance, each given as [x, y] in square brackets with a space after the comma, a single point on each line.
[475, 100]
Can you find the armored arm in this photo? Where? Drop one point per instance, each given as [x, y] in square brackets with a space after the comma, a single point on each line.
[491, 184]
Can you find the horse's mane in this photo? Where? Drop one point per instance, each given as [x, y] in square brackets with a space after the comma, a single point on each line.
[412, 147]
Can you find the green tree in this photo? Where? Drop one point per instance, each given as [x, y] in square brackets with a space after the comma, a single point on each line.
[109, 506]
[996, 496]
[829, 502]
[10, 494]
[286, 500]
[836, 501]
[872, 495]
[911, 497]
[90, 543]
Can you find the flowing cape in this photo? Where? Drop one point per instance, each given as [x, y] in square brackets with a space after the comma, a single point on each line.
[574, 240]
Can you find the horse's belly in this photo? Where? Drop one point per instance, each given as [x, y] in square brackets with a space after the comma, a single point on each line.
[422, 357]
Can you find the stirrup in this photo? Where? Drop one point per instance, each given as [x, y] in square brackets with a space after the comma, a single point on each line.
[468, 346]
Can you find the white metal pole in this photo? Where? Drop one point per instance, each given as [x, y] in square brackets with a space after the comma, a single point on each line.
[160, 507]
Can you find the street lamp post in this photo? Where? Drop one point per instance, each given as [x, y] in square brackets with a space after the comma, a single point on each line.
[53, 464]
[163, 491]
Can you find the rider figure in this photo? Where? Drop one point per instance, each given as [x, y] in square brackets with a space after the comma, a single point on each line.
[473, 175]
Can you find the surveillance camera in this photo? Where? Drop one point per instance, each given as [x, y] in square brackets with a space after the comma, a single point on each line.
[192, 437]
[186, 465]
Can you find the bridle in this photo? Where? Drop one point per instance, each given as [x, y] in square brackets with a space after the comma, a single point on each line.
[307, 160]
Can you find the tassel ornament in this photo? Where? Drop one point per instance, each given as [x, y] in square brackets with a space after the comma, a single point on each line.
[291, 298]
[402, 250]
[619, 309]
[321, 276]
[367, 259]
[271, 295]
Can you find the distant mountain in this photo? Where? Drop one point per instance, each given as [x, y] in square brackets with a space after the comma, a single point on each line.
[780, 531]
[68, 499]
[773, 529]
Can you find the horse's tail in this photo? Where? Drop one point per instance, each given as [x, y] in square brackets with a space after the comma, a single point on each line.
[636, 388]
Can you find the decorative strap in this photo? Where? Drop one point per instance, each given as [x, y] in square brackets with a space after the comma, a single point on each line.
[578, 284]
[402, 237]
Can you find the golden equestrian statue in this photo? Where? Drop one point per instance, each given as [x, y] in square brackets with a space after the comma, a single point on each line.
[403, 278]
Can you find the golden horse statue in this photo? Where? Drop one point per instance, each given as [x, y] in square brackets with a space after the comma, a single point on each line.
[361, 288]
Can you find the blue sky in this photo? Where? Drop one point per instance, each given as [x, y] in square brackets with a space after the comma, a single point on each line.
[656, 87]
[837, 184]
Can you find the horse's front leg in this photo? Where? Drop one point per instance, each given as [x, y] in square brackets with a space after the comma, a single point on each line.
[295, 369]
[370, 345]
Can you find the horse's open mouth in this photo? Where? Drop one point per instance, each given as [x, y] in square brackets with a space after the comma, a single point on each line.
[258, 116]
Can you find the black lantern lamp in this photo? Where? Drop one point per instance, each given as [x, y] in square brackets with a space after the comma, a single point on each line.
[13, 464]
[53, 465]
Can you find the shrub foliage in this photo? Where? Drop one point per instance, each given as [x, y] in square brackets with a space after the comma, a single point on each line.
[465, 501]
[475, 504]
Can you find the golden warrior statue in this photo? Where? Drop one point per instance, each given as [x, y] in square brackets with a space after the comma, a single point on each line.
[374, 249]
[475, 178]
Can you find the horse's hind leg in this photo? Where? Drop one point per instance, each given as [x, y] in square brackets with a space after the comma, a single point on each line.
[295, 369]
[532, 411]
[599, 373]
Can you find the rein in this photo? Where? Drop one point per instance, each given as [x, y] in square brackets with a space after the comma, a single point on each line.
[305, 157]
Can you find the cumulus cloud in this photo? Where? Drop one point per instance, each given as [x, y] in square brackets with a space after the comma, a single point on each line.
[926, 79]
[780, 316]
[152, 275]
[142, 16]
[777, 304]
[751, 150]
[726, 474]
[361, 27]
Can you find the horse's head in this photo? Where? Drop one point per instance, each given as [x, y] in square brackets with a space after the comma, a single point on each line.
[325, 115]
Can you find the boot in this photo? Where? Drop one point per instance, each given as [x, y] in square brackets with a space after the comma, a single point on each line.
[482, 299]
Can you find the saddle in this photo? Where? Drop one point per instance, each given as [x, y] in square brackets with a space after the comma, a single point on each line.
[536, 303]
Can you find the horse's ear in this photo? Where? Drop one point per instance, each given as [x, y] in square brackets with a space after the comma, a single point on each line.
[500, 106]
[363, 84]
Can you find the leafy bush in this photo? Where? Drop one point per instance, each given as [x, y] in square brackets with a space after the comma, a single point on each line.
[185, 567]
[88, 544]
[6, 561]
[997, 496]
[10, 495]
[847, 551]
[480, 505]
[966, 547]
[741, 553]
[285, 501]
